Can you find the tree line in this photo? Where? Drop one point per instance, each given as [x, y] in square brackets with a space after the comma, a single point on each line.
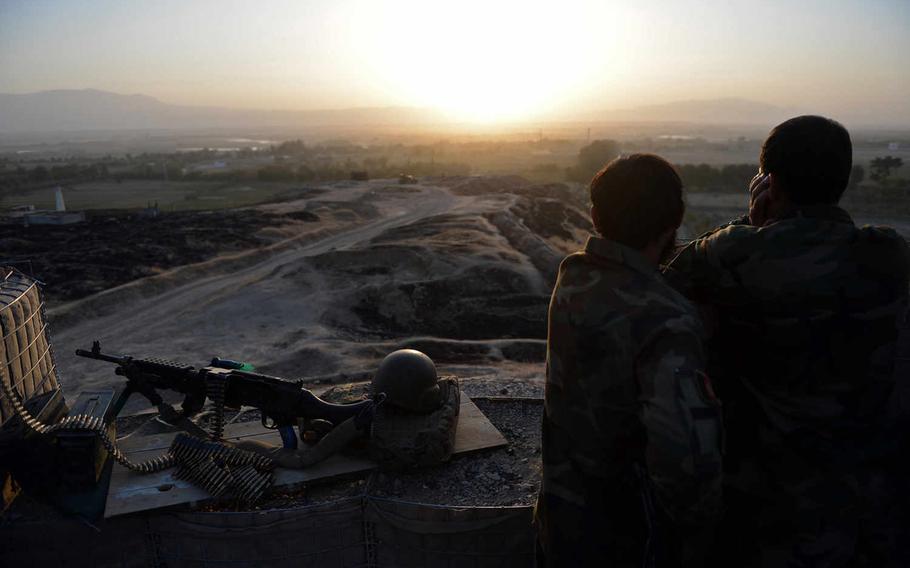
[295, 161]
[728, 177]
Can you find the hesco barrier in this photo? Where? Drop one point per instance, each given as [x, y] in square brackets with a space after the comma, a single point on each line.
[359, 531]
[26, 356]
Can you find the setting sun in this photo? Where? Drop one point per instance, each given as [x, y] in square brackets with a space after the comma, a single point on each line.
[482, 62]
[477, 62]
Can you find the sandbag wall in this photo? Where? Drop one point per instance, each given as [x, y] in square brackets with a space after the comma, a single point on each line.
[358, 531]
[415, 534]
[26, 358]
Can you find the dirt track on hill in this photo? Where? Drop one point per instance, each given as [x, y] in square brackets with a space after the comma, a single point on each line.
[458, 271]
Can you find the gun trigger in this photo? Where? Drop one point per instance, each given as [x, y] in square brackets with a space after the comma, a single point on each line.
[267, 421]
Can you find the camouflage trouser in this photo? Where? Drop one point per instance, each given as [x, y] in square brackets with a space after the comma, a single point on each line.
[569, 535]
[865, 526]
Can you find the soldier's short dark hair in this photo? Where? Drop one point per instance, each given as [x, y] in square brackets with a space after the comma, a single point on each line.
[811, 156]
[637, 198]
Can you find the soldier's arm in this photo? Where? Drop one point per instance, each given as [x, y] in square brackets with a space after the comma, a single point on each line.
[694, 268]
[705, 269]
[691, 271]
[682, 419]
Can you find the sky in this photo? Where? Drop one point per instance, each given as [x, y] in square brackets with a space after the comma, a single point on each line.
[476, 60]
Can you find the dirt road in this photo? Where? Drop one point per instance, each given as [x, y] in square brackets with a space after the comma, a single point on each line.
[243, 307]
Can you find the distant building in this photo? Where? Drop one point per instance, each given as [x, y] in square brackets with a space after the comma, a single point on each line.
[894, 146]
[59, 216]
[19, 211]
[58, 200]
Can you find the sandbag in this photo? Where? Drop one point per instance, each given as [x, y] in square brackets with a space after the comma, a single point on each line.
[401, 439]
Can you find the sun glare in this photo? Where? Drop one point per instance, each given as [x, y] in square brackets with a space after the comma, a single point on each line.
[481, 61]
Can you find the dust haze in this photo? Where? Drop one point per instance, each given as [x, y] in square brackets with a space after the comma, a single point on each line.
[314, 252]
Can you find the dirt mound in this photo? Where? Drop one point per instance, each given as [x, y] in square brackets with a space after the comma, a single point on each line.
[460, 275]
[575, 195]
[449, 276]
[440, 308]
[468, 351]
[552, 219]
[489, 184]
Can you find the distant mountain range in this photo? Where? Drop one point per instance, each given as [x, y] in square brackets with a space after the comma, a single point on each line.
[706, 111]
[89, 109]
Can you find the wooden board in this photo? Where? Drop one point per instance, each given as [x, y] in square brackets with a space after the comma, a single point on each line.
[132, 492]
[475, 431]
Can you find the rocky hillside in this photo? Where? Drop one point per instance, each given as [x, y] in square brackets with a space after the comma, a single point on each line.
[459, 267]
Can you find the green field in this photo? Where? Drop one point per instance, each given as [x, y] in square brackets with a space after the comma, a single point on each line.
[170, 196]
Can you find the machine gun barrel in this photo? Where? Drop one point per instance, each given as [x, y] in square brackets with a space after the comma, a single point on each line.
[96, 353]
[280, 401]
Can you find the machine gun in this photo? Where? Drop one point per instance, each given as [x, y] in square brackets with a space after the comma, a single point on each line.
[227, 384]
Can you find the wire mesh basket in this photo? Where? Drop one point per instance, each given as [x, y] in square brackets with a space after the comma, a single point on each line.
[26, 357]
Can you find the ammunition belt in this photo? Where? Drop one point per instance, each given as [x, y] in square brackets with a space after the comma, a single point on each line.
[89, 423]
[214, 389]
[221, 469]
[215, 467]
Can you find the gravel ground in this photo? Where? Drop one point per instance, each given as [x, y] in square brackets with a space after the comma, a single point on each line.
[504, 476]
[502, 388]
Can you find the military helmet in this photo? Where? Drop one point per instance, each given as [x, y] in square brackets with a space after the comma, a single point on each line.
[408, 378]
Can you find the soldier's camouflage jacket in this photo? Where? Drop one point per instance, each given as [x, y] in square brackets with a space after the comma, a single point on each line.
[807, 310]
[631, 430]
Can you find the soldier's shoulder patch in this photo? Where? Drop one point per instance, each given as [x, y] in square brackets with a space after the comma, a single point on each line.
[696, 382]
[706, 387]
[696, 396]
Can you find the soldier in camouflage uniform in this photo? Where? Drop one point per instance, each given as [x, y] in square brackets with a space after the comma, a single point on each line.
[807, 310]
[631, 429]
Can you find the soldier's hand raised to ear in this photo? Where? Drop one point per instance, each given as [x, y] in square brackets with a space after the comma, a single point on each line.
[759, 199]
